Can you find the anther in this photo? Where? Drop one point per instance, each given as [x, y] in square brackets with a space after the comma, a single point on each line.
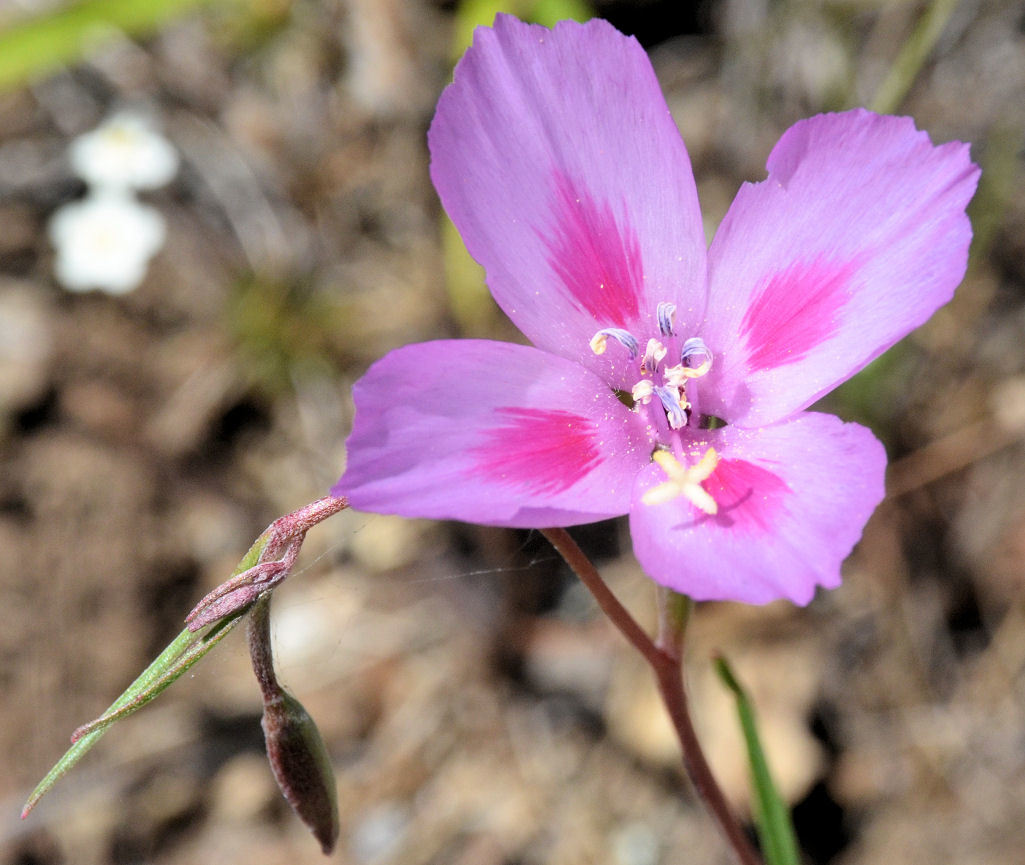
[666, 314]
[626, 339]
[678, 376]
[695, 356]
[676, 412]
[642, 391]
[653, 355]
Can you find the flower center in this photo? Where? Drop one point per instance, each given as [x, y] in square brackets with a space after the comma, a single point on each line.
[658, 378]
[668, 381]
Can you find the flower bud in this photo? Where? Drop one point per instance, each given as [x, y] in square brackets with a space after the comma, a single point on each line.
[302, 766]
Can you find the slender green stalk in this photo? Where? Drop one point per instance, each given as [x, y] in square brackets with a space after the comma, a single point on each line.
[666, 663]
[775, 829]
[36, 45]
[912, 57]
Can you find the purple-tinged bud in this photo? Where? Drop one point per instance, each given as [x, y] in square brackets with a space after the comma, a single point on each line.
[295, 748]
[302, 767]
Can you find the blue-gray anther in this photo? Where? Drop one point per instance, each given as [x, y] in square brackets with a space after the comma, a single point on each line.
[671, 403]
[695, 353]
[666, 313]
[623, 337]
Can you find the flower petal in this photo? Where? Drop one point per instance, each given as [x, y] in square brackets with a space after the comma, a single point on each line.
[492, 433]
[857, 236]
[792, 502]
[555, 155]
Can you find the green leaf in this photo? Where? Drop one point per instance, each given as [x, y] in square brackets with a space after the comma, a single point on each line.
[469, 300]
[472, 14]
[31, 47]
[481, 13]
[775, 831]
[468, 296]
[178, 658]
[550, 12]
[909, 62]
[170, 666]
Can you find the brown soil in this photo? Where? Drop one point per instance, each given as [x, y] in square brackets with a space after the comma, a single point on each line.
[477, 708]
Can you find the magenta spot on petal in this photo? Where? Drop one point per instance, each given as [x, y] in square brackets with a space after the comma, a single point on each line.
[749, 496]
[597, 260]
[794, 311]
[543, 452]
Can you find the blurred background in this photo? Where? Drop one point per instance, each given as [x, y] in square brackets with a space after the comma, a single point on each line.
[477, 708]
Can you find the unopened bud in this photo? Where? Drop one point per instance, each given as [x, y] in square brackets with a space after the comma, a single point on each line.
[302, 766]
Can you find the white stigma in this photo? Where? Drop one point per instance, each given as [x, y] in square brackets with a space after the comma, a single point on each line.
[684, 481]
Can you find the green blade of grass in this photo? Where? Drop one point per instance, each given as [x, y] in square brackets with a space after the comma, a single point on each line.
[912, 57]
[550, 12]
[471, 14]
[32, 47]
[775, 830]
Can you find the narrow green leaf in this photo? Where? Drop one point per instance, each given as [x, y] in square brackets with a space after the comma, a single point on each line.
[37, 45]
[912, 57]
[84, 743]
[469, 300]
[159, 676]
[550, 12]
[775, 830]
[472, 14]
[468, 296]
[171, 664]
[481, 13]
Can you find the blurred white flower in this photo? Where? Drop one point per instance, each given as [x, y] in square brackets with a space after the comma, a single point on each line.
[105, 241]
[125, 152]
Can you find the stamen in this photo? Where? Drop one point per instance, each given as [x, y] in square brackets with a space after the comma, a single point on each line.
[696, 356]
[678, 376]
[683, 481]
[642, 391]
[666, 313]
[626, 339]
[653, 356]
[676, 411]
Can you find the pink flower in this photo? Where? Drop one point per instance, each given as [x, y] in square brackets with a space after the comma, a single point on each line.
[666, 380]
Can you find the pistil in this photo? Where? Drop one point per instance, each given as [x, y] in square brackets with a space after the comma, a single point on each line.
[684, 481]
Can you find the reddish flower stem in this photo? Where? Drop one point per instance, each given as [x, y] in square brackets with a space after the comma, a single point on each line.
[666, 663]
[260, 652]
